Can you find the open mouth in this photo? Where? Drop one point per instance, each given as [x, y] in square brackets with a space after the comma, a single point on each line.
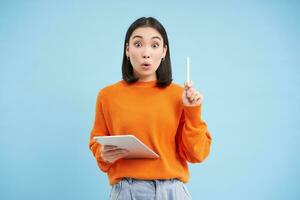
[146, 66]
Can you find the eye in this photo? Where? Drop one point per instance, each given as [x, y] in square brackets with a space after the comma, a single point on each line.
[155, 45]
[137, 44]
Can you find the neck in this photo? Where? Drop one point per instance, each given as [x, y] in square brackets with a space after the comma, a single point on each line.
[147, 78]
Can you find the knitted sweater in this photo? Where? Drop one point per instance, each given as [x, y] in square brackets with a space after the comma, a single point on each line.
[158, 118]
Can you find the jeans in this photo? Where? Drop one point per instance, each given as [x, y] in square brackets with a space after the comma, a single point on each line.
[134, 189]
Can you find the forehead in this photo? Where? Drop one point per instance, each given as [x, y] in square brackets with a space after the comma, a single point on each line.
[147, 33]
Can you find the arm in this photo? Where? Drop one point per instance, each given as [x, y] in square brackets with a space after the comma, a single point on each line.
[99, 129]
[193, 137]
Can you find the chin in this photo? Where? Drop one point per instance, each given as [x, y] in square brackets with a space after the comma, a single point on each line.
[146, 72]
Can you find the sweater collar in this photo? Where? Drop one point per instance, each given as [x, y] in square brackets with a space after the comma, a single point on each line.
[141, 83]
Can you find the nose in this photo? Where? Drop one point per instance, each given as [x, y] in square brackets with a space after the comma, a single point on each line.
[146, 53]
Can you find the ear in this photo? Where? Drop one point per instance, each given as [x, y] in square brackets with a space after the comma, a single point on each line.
[164, 51]
[127, 50]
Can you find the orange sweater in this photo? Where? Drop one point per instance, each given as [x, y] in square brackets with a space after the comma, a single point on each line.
[158, 118]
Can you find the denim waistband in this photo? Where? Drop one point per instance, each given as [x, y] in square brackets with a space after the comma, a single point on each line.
[160, 189]
[131, 180]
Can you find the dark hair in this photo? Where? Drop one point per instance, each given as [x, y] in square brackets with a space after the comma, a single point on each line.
[164, 71]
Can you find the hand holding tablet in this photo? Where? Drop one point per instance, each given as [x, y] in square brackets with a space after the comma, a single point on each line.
[128, 145]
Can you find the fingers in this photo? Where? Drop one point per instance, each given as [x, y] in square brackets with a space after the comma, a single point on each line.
[190, 91]
[112, 153]
[112, 159]
[188, 85]
[108, 147]
[193, 95]
[115, 157]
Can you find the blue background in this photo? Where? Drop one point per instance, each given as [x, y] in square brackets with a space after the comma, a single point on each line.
[56, 55]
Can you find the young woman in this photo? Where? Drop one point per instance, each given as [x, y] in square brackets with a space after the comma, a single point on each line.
[163, 115]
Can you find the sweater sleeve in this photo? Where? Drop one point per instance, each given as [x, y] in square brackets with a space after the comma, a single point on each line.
[193, 137]
[99, 129]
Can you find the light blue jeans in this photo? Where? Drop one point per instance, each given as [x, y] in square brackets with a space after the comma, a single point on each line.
[134, 189]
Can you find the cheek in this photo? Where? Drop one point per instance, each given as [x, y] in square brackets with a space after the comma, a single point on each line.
[158, 53]
[157, 56]
[134, 58]
[134, 53]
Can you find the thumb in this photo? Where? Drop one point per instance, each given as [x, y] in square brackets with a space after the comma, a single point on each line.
[188, 85]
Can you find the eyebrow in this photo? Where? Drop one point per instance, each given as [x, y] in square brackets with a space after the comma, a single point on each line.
[138, 36]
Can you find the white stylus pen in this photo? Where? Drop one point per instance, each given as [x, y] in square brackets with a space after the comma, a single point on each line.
[188, 69]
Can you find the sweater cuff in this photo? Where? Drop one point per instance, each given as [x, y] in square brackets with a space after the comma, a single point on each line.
[104, 166]
[193, 114]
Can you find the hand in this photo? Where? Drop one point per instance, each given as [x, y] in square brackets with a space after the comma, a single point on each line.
[190, 96]
[111, 153]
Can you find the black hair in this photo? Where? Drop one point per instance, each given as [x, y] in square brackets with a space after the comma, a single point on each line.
[164, 71]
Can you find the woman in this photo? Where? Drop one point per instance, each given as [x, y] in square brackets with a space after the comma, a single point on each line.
[163, 115]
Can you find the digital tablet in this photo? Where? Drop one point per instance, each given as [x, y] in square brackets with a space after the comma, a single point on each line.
[136, 148]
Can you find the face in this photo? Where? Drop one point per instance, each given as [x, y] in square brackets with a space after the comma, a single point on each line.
[145, 51]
